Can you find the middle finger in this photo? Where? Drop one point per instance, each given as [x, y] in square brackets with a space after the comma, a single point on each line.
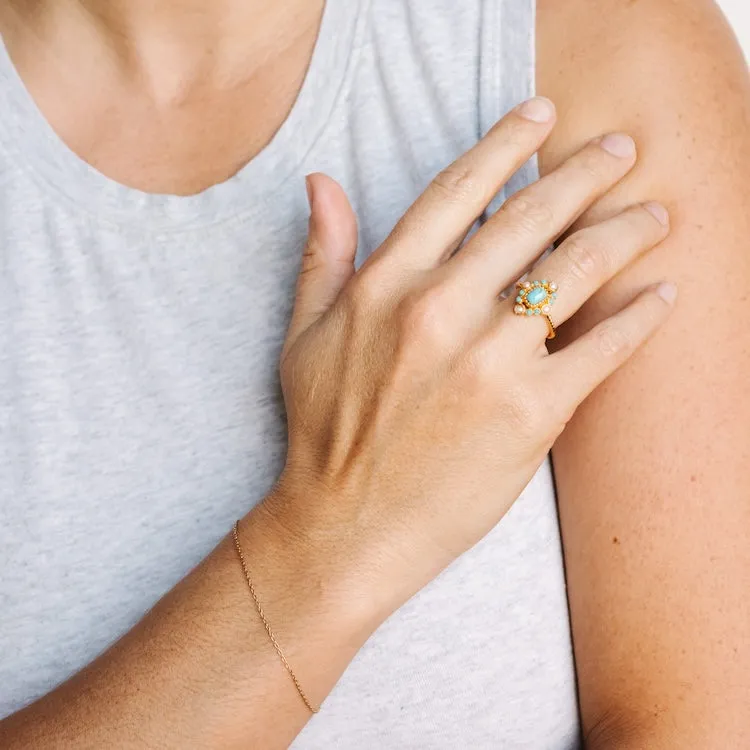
[532, 219]
[591, 257]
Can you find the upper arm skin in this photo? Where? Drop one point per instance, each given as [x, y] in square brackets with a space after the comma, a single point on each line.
[653, 472]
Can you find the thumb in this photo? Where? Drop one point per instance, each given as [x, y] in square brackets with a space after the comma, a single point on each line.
[328, 260]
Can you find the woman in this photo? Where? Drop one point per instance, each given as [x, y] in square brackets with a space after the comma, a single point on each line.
[153, 209]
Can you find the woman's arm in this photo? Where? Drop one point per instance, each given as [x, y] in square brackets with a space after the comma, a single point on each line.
[198, 671]
[653, 472]
[417, 413]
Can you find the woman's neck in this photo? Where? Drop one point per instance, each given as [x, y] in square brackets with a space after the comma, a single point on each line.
[171, 47]
[167, 97]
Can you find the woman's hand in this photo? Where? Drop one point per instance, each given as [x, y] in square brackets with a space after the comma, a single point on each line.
[419, 404]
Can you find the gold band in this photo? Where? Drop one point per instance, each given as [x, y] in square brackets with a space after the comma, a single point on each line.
[266, 624]
[551, 330]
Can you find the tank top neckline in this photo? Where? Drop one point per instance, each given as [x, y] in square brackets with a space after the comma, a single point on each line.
[31, 142]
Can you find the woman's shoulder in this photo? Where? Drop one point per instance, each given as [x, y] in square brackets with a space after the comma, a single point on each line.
[634, 458]
[476, 55]
[653, 68]
[574, 36]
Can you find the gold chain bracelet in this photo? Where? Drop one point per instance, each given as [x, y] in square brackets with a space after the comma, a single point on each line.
[266, 624]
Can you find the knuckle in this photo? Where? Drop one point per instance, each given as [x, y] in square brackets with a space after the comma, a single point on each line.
[311, 259]
[520, 407]
[613, 341]
[583, 261]
[529, 216]
[480, 368]
[362, 293]
[423, 317]
[459, 183]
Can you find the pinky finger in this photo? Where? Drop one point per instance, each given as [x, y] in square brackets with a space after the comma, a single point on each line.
[587, 362]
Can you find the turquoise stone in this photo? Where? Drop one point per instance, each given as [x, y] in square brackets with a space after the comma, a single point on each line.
[529, 312]
[535, 296]
[519, 299]
[537, 311]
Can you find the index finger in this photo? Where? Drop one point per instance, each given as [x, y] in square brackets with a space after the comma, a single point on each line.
[457, 197]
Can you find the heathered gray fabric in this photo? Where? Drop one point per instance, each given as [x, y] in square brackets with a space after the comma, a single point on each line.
[139, 404]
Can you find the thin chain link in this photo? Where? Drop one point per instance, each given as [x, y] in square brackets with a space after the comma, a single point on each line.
[266, 624]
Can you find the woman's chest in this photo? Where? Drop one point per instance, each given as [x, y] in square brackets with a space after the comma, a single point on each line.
[141, 415]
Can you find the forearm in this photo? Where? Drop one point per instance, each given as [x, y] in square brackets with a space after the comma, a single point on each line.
[199, 670]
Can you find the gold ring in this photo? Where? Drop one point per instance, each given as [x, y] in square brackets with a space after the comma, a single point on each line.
[537, 298]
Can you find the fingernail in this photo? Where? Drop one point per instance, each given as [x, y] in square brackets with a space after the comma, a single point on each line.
[667, 291]
[658, 212]
[618, 144]
[309, 191]
[538, 109]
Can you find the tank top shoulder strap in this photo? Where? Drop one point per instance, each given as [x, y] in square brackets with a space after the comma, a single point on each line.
[468, 62]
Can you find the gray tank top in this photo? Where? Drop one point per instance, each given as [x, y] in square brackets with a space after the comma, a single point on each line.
[140, 411]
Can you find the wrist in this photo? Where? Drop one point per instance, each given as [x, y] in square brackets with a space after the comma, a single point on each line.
[317, 603]
[352, 555]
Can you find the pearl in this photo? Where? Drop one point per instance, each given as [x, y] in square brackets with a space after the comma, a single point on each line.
[546, 309]
[553, 286]
[519, 309]
[527, 285]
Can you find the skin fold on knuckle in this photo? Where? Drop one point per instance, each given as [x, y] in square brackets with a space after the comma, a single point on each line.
[312, 258]
[602, 250]
[613, 341]
[459, 183]
[527, 216]
[582, 261]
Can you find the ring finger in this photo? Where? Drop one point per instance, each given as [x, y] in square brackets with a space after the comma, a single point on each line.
[589, 258]
[528, 222]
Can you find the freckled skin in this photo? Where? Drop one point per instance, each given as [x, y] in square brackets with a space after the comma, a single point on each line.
[665, 620]
[660, 636]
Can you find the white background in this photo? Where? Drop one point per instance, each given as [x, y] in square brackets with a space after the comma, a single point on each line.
[738, 12]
